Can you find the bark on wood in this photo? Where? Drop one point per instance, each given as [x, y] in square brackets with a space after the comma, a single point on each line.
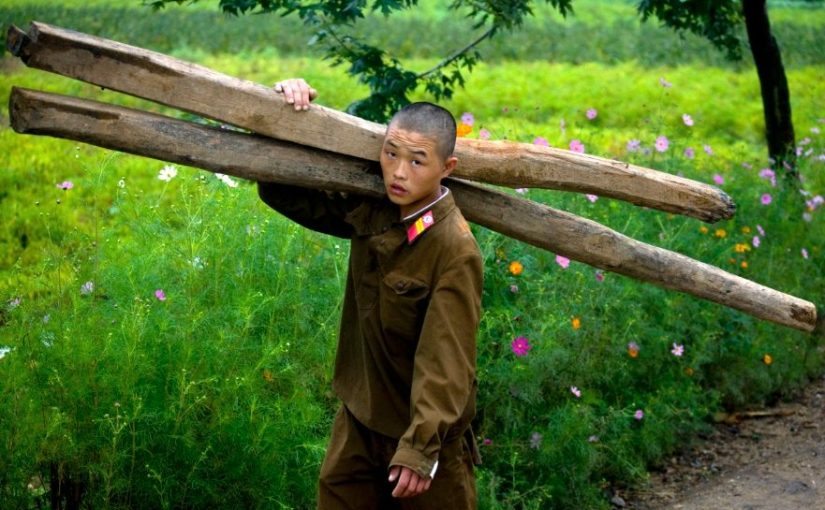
[776, 98]
[252, 106]
[260, 158]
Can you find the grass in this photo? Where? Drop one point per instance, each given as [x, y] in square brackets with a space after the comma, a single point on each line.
[152, 403]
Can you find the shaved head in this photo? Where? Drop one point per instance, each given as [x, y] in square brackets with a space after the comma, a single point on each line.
[431, 121]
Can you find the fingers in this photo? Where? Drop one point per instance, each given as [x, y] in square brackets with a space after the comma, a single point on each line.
[297, 92]
[409, 483]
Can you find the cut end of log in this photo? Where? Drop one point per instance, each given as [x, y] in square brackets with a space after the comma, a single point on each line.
[16, 41]
[17, 111]
[727, 209]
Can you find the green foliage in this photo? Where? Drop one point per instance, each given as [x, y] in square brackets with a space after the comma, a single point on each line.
[218, 396]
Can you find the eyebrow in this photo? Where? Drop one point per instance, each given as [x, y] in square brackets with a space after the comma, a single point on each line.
[418, 152]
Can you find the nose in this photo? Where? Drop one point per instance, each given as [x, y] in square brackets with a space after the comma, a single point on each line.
[400, 171]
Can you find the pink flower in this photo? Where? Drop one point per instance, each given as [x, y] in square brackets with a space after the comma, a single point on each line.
[633, 145]
[66, 185]
[804, 253]
[160, 295]
[639, 414]
[575, 391]
[487, 441]
[599, 276]
[690, 153]
[756, 241]
[484, 134]
[592, 113]
[708, 150]
[760, 230]
[662, 143]
[592, 198]
[521, 191]
[766, 199]
[718, 179]
[664, 83]
[767, 173]
[514, 288]
[577, 146]
[521, 346]
[467, 118]
[687, 119]
[678, 349]
[562, 261]
[540, 140]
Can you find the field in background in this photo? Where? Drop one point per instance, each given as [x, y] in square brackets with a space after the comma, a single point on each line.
[215, 390]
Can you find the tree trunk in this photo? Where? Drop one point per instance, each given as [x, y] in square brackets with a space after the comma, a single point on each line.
[263, 159]
[776, 99]
[202, 91]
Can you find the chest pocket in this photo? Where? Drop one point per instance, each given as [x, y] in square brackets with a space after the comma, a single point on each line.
[403, 303]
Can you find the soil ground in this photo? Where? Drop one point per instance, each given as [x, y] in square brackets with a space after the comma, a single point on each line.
[773, 462]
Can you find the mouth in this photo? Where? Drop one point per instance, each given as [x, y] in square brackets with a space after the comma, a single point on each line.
[397, 189]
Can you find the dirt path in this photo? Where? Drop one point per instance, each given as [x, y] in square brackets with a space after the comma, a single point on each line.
[769, 463]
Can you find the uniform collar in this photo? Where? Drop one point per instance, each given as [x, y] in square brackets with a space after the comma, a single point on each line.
[420, 221]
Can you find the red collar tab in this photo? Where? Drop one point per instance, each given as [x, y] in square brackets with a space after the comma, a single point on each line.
[424, 222]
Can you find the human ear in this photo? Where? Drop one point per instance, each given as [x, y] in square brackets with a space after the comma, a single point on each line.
[449, 166]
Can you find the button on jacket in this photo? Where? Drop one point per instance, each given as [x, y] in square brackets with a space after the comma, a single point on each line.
[406, 360]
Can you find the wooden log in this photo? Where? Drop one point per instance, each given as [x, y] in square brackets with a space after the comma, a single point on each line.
[258, 108]
[263, 159]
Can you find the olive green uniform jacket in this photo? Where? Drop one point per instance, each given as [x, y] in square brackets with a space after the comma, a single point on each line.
[406, 359]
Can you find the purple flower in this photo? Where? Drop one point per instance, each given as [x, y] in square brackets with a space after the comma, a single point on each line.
[592, 198]
[767, 173]
[487, 441]
[160, 295]
[766, 199]
[804, 253]
[718, 179]
[633, 145]
[66, 185]
[484, 134]
[639, 414]
[467, 118]
[760, 230]
[690, 153]
[599, 276]
[562, 261]
[592, 113]
[678, 349]
[662, 143]
[576, 392]
[521, 346]
[577, 146]
[540, 140]
[708, 149]
[687, 119]
[756, 241]
[514, 288]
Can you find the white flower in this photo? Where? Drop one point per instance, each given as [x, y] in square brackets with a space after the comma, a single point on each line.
[167, 173]
[122, 183]
[87, 288]
[4, 351]
[227, 180]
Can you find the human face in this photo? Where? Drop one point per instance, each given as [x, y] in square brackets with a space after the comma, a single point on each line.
[412, 169]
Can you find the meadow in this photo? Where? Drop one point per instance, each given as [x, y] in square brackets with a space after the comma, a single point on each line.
[166, 340]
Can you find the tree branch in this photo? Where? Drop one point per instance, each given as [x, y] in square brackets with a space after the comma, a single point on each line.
[450, 59]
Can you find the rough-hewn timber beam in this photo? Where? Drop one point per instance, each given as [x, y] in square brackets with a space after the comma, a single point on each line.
[259, 158]
[252, 106]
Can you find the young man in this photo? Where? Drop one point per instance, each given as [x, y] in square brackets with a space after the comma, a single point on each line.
[406, 359]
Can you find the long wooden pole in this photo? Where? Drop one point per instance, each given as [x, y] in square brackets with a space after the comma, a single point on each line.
[263, 159]
[187, 86]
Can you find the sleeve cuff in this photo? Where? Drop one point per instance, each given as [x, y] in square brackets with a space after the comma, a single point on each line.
[416, 461]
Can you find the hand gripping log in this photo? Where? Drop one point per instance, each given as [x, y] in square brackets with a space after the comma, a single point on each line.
[263, 159]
